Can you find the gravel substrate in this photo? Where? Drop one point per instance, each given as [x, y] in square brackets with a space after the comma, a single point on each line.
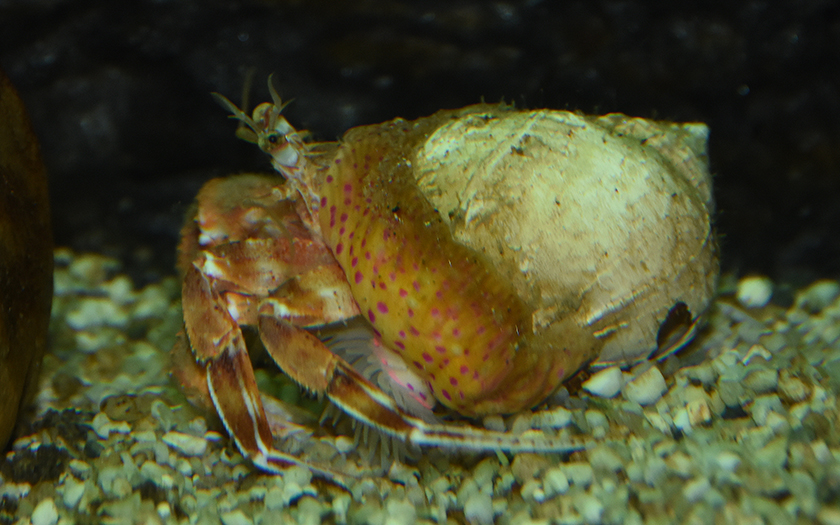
[741, 428]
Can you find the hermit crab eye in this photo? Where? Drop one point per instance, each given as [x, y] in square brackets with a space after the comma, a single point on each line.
[275, 138]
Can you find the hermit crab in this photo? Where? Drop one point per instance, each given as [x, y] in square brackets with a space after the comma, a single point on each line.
[491, 252]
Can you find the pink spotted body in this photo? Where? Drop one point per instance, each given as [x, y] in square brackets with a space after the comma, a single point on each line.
[431, 300]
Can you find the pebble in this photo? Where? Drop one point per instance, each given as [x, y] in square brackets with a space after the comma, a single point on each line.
[478, 509]
[647, 388]
[187, 444]
[555, 482]
[605, 383]
[236, 517]
[754, 292]
[695, 489]
[762, 381]
[578, 473]
[728, 461]
[45, 513]
[816, 297]
[589, 508]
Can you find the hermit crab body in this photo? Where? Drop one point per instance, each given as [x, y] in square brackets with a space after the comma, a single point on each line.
[493, 253]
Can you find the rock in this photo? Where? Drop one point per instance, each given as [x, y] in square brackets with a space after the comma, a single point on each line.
[26, 260]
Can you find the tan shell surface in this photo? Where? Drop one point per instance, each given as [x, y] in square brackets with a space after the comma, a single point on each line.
[604, 219]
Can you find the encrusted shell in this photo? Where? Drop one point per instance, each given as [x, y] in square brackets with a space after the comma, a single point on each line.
[604, 219]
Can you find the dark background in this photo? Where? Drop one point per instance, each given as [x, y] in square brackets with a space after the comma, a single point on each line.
[118, 92]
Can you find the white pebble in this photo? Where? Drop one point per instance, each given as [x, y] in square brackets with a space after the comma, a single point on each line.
[647, 388]
[555, 482]
[605, 383]
[236, 517]
[185, 443]
[478, 509]
[579, 473]
[73, 491]
[818, 295]
[755, 291]
[45, 513]
[728, 461]
[590, 509]
[695, 489]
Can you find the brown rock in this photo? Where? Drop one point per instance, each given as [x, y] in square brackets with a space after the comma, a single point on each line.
[26, 259]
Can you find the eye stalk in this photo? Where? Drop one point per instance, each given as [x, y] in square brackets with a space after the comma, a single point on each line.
[267, 128]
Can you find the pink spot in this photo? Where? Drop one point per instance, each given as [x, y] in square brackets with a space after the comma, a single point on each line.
[436, 336]
[439, 294]
[427, 357]
[329, 178]
[382, 286]
[323, 201]
[359, 277]
[410, 386]
[351, 235]
[453, 381]
[486, 357]
[466, 352]
[416, 286]
[364, 213]
[475, 374]
[364, 241]
[410, 312]
[456, 332]
[382, 307]
[402, 333]
[435, 312]
[464, 369]
[446, 395]
[371, 316]
[348, 201]
[461, 392]
[415, 266]
[367, 255]
[413, 331]
[423, 396]
[355, 260]
[338, 161]
[355, 165]
[339, 248]
[480, 329]
[440, 349]
[341, 231]
[343, 217]
[403, 293]
[392, 276]
[399, 345]
[348, 188]
[418, 365]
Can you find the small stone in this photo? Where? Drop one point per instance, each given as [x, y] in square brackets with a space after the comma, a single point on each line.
[756, 351]
[695, 489]
[557, 417]
[589, 508]
[817, 296]
[762, 381]
[45, 513]
[236, 517]
[605, 383]
[605, 459]
[478, 509]
[698, 412]
[555, 482]
[829, 515]
[754, 292]
[728, 461]
[532, 491]
[185, 443]
[647, 388]
[579, 473]
[792, 388]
